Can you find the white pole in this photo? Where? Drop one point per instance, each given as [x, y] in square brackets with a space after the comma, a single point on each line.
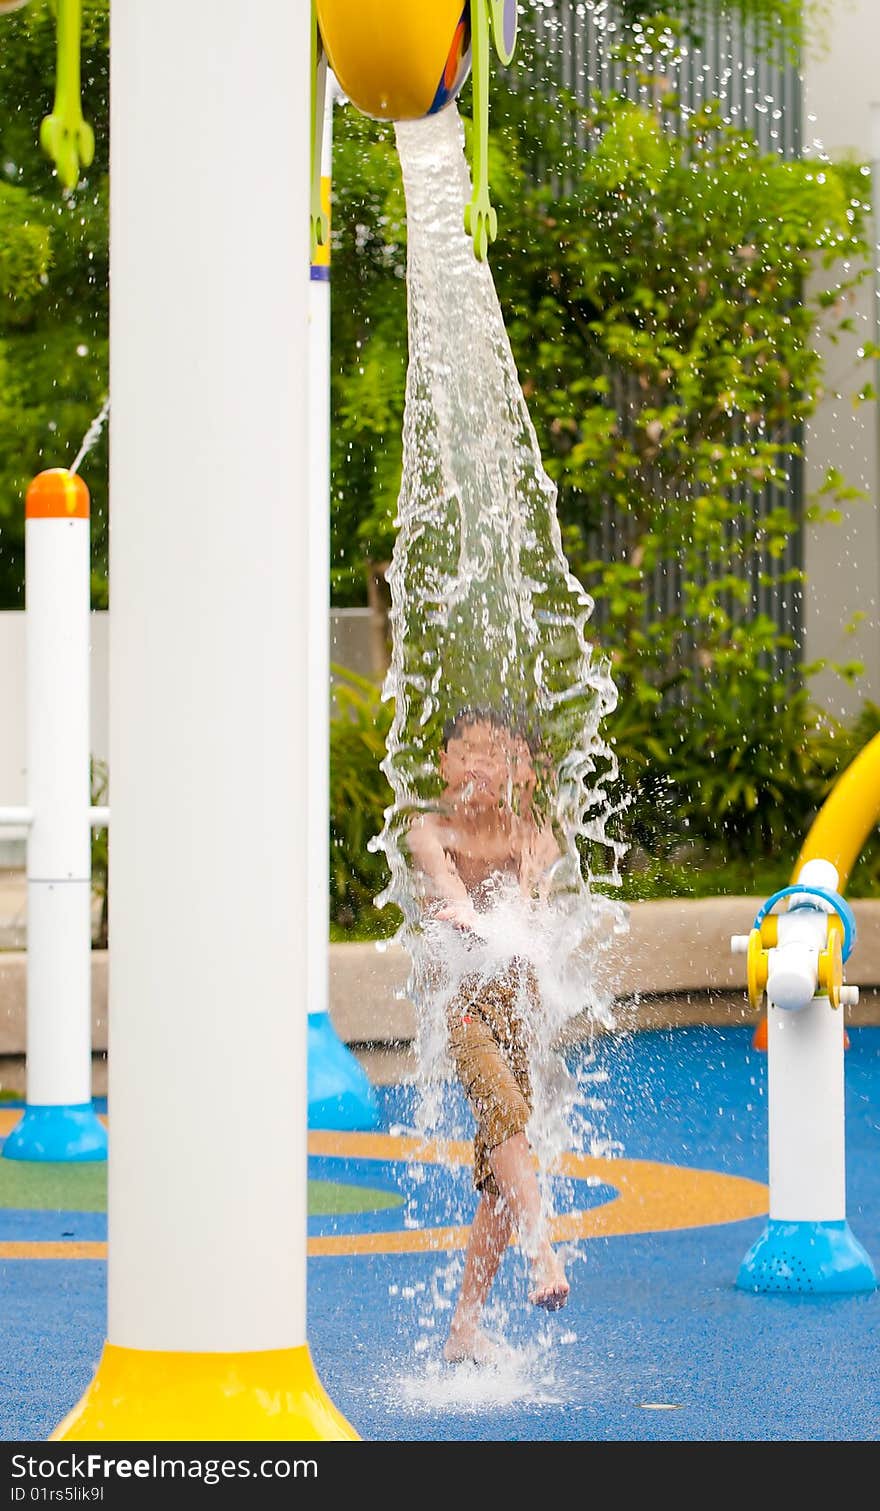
[318, 579]
[59, 1122]
[807, 1244]
[207, 1205]
[804, 1071]
[875, 207]
[340, 1093]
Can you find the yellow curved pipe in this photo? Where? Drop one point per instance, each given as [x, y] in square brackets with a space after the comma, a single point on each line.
[839, 831]
[846, 818]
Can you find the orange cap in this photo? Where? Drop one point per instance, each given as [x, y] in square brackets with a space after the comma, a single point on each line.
[57, 494]
[759, 1037]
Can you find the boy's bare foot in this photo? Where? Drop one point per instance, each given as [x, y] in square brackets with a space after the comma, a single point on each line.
[550, 1288]
[472, 1346]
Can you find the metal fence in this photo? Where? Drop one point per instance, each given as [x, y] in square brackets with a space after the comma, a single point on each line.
[758, 86]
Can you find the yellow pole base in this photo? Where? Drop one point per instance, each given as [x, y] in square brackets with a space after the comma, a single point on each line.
[141, 1395]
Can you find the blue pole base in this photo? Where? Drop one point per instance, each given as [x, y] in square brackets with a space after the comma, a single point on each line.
[340, 1092]
[812, 1258]
[58, 1133]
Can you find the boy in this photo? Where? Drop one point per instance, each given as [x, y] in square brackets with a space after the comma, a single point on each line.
[485, 828]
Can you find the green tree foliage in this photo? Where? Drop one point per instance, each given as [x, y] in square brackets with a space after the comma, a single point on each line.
[369, 348]
[665, 337]
[653, 282]
[54, 275]
[359, 794]
[664, 328]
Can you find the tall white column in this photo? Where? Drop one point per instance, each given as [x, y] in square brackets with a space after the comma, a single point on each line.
[209, 652]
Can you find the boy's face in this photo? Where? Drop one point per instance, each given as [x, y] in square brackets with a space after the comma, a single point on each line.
[484, 765]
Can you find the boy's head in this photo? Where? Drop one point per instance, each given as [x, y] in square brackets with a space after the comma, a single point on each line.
[486, 757]
[496, 717]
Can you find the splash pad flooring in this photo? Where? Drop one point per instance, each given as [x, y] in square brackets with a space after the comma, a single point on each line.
[656, 1344]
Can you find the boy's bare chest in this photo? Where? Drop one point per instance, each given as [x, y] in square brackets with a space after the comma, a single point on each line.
[478, 855]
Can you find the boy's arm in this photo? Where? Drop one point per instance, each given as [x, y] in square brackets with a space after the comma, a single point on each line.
[434, 861]
[541, 855]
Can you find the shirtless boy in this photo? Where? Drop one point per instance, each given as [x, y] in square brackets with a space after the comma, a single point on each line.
[484, 827]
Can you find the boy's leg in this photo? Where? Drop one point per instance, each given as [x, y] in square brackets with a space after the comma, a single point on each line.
[512, 1167]
[489, 1237]
[500, 1097]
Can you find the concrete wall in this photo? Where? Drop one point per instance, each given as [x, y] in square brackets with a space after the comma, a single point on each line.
[842, 561]
[356, 642]
[674, 969]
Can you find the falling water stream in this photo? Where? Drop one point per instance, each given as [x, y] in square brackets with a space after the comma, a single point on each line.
[92, 436]
[486, 613]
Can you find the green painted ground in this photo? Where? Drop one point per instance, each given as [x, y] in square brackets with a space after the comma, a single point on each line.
[83, 1188]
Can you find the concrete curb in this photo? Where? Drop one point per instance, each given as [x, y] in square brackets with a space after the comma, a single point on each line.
[674, 967]
[13, 1001]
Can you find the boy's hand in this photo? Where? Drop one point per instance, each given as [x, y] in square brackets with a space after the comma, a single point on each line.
[462, 914]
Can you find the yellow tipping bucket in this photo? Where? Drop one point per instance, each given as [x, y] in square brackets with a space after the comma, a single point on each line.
[397, 60]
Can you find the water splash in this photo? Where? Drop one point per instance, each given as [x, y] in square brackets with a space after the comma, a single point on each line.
[92, 436]
[485, 613]
[527, 1373]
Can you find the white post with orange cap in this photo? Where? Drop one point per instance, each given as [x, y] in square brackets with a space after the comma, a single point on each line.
[207, 1204]
[60, 1121]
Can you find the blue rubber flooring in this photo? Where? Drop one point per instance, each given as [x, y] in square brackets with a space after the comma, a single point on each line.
[657, 1343]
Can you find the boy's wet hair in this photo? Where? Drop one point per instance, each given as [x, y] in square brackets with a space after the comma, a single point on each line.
[499, 717]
